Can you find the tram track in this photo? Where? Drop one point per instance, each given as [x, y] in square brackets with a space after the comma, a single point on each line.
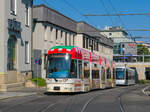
[88, 102]
[122, 109]
[73, 103]
[15, 105]
[44, 108]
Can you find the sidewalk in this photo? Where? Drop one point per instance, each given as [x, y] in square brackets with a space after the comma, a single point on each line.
[22, 92]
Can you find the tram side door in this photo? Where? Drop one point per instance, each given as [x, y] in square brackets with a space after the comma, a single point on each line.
[103, 77]
[79, 69]
[126, 76]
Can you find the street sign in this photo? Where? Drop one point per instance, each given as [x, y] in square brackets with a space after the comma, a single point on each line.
[38, 61]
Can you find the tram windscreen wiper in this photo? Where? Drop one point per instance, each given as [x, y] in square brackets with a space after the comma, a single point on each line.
[55, 79]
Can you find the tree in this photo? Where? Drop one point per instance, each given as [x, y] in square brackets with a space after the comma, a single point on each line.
[142, 49]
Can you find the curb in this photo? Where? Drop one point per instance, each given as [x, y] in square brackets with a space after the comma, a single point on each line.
[144, 91]
[3, 98]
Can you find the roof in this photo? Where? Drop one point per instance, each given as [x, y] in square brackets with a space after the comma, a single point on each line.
[42, 13]
[63, 47]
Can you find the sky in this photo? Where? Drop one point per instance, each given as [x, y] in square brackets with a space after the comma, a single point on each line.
[75, 9]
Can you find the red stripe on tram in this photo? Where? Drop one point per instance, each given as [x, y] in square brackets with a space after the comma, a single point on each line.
[77, 85]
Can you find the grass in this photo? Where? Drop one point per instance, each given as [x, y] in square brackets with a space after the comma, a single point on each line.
[144, 81]
[41, 82]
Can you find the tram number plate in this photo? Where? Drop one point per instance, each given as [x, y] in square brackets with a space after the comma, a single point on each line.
[56, 88]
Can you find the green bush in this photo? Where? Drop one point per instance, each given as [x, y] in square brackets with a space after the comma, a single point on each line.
[144, 81]
[41, 82]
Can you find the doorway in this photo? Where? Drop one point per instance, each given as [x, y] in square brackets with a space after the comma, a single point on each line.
[12, 54]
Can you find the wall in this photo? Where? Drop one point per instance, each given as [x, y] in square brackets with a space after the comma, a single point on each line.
[2, 44]
[114, 34]
[25, 33]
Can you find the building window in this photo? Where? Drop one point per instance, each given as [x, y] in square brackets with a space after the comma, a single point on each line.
[73, 40]
[45, 33]
[27, 50]
[56, 34]
[90, 42]
[12, 53]
[13, 6]
[61, 34]
[27, 16]
[87, 43]
[94, 46]
[70, 39]
[97, 47]
[66, 38]
[51, 35]
[83, 42]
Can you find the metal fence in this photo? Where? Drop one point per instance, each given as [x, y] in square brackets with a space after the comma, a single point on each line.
[132, 59]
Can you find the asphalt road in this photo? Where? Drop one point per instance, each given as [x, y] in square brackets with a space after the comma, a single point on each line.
[120, 99]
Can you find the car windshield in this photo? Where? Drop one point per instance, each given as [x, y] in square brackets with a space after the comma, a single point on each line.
[119, 73]
[58, 65]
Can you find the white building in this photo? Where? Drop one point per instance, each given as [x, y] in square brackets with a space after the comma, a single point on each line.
[15, 44]
[112, 32]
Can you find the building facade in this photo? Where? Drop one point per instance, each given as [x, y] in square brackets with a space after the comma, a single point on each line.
[89, 38]
[113, 32]
[52, 28]
[15, 44]
[123, 47]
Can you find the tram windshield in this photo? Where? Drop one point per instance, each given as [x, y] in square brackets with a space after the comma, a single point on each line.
[120, 73]
[58, 65]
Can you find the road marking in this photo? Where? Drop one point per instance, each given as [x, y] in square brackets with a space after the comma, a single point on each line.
[48, 107]
[121, 106]
[146, 93]
[87, 103]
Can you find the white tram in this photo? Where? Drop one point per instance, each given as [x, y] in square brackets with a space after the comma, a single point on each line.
[73, 69]
[125, 76]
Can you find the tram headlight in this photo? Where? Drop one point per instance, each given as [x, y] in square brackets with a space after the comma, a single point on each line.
[64, 80]
[67, 57]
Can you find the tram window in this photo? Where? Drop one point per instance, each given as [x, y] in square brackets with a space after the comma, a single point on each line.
[86, 70]
[95, 65]
[73, 69]
[95, 72]
[80, 68]
[108, 73]
[103, 73]
[114, 71]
